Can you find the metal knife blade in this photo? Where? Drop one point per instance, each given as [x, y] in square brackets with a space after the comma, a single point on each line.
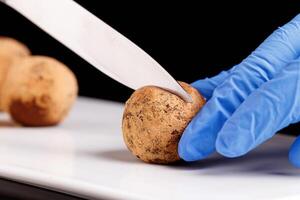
[97, 43]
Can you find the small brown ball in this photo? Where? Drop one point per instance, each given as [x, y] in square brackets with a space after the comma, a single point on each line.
[154, 120]
[38, 91]
[13, 47]
[5, 61]
[10, 50]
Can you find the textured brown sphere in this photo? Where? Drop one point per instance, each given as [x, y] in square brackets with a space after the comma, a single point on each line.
[10, 50]
[5, 61]
[38, 91]
[154, 120]
[13, 47]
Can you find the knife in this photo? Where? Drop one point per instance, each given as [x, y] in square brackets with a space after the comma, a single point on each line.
[97, 43]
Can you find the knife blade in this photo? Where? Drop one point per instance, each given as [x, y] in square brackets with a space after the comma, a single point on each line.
[97, 43]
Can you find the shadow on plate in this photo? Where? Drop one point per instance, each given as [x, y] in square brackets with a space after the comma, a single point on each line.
[268, 162]
[273, 162]
[8, 123]
[120, 155]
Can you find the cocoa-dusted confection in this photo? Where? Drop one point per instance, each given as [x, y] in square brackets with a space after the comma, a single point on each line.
[10, 50]
[38, 91]
[154, 120]
[13, 47]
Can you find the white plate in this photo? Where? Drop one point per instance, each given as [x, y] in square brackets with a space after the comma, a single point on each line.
[85, 156]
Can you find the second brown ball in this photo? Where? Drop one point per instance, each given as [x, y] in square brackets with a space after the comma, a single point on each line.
[10, 50]
[38, 91]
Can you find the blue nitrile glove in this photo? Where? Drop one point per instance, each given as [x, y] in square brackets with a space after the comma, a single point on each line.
[250, 102]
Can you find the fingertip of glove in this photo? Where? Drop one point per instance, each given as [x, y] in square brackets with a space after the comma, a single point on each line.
[294, 160]
[294, 153]
[190, 148]
[198, 139]
[187, 153]
[233, 144]
[186, 150]
[225, 148]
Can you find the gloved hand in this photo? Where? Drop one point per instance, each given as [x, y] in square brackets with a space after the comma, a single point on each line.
[248, 104]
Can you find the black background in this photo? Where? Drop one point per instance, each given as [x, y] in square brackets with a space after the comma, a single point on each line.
[191, 40]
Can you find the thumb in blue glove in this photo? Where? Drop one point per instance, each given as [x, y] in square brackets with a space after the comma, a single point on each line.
[249, 103]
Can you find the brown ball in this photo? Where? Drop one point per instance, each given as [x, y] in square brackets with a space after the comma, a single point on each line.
[38, 91]
[154, 120]
[5, 61]
[10, 50]
[13, 47]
